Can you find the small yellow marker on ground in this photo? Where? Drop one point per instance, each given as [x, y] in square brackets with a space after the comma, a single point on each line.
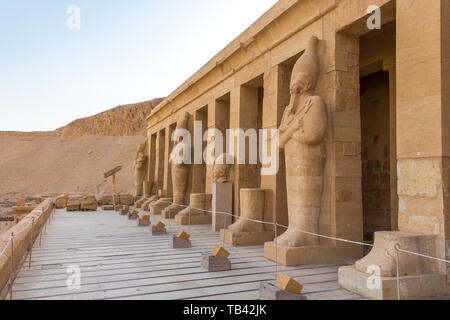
[159, 224]
[220, 252]
[183, 235]
[286, 283]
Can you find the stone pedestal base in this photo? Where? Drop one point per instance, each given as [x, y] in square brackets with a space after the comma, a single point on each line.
[222, 201]
[411, 287]
[409, 264]
[252, 238]
[213, 263]
[300, 256]
[419, 276]
[143, 223]
[146, 205]
[194, 219]
[108, 208]
[156, 231]
[69, 207]
[268, 291]
[88, 206]
[171, 211]
[158, 206]
[138, 204]
[178, 243]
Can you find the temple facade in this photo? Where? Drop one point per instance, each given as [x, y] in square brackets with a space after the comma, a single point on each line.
[377, 172]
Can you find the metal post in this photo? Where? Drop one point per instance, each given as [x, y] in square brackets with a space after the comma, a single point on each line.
[31, 242]
[276, 248]
[224, 227]
[12, 267]
[397, 250]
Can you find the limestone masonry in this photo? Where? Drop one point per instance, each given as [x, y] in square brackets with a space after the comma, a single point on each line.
[364, 140]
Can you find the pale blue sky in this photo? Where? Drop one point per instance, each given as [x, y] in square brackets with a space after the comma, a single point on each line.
[126, 51]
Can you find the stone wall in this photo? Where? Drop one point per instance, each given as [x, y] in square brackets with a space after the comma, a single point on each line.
[26, 231]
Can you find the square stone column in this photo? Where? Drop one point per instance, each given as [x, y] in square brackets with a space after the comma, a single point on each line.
[423, 150]
[152, 163]
[168, 145]
[218, 118]
[222, 201]
[243, 116]
[423, 118]
[276, 98]
[159, 159]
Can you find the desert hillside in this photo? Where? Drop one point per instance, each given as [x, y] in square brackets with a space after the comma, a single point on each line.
[47, 165]
[72, 159]
[127, 120]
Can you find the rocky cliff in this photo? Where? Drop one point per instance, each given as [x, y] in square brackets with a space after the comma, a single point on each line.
[127, 120]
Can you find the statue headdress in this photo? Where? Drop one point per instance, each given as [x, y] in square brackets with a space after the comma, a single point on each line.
[308, 63]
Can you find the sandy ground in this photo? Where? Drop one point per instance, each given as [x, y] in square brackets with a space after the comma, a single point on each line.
[49, 165]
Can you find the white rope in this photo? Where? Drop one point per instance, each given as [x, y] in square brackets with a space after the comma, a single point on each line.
[6, 247]
[422, 255]
[315, 234]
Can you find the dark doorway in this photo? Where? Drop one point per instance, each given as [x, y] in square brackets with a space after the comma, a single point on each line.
[375, 129]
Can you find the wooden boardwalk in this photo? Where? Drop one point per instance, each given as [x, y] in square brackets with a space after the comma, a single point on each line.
[119, 260]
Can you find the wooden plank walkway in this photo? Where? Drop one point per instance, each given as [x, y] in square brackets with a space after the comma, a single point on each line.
[119, 260]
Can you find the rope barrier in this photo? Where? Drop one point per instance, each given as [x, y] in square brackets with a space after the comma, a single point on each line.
[11, 242]
[12, 267]
[31, 242]
[316, 234]
[6, 247]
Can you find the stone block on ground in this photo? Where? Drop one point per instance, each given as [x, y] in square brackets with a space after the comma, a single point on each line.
[213, 263]
[157, 230]
[73, 203]
[133, 215]
[88, 203]
[126, 199]
[144, 220]
[106, 200]
[268, 291]
[180, 243]
[61, 201]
